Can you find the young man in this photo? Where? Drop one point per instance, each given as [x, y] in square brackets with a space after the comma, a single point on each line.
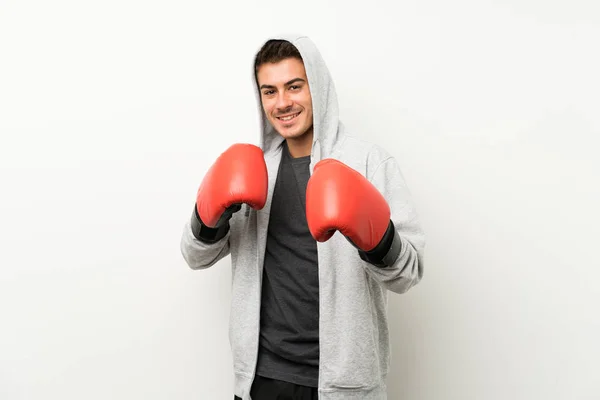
[320, 226]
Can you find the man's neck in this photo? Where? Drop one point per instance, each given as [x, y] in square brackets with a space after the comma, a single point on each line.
[302, 146]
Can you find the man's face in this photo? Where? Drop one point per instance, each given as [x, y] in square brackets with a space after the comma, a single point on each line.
[285, 97]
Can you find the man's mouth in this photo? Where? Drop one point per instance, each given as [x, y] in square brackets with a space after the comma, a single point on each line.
[287, 118]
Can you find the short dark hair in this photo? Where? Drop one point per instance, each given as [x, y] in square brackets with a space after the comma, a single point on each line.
[275, 50]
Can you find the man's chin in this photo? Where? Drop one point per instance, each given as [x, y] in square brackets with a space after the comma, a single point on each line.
[292, 134]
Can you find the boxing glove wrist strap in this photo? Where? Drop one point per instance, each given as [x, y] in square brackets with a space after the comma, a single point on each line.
[387, 251]
[207, 234]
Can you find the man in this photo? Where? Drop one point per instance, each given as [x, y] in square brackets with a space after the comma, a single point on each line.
[320, 226]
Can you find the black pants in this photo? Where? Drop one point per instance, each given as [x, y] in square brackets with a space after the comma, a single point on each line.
[272, 389]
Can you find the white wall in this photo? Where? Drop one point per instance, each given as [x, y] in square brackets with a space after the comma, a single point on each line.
[110, 113]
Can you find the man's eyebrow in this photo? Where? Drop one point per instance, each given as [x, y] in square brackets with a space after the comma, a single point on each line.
[286, 84]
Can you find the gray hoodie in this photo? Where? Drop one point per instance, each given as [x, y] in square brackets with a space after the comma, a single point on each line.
[353, 328]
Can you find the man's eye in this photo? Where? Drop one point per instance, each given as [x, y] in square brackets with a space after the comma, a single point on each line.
[294, 87]
[267, 92]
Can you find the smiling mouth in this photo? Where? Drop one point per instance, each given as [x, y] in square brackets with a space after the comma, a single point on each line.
[288, 118]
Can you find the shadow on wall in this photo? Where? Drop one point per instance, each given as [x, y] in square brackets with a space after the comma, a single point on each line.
[405, 316]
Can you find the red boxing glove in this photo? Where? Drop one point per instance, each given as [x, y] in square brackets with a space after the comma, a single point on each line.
[238, 176]
[340, 198]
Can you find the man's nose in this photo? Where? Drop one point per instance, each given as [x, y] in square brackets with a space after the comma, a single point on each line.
[283, 101]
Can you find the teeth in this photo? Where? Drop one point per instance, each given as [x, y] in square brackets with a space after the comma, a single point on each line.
[289, 117]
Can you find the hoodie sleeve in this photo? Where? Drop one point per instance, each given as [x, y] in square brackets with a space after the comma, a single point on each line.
[407, 269]
[199, 254]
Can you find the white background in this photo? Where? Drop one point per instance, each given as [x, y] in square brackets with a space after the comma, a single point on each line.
[111, 112]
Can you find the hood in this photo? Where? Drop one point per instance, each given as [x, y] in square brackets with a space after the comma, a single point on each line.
[326, 124]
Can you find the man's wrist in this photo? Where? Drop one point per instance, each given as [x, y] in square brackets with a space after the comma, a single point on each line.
[387, 251]
[205, 233]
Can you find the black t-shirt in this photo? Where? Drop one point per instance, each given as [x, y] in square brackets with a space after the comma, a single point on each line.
[289, 326]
